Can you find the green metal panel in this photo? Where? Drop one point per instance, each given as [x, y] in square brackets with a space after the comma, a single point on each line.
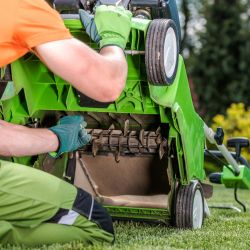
[139, 213]
[175, 137]
[43, 90]
[177, 97]
[241, 181]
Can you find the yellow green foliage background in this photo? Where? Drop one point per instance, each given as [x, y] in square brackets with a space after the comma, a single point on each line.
[236, 123]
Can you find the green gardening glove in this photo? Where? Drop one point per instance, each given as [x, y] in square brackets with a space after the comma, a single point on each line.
[71, 134]
[112, 25]
[89, 25]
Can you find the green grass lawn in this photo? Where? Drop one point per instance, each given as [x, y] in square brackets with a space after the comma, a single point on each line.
[225, 229]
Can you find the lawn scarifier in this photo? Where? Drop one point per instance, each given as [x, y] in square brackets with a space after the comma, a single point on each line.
[146, 158]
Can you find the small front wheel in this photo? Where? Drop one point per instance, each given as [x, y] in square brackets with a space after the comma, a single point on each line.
[162, 52]
[189, 207]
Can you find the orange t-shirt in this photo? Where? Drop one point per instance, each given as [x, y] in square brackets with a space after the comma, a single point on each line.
[24, 24]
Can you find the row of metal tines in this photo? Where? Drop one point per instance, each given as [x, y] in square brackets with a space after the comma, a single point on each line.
[126, 142]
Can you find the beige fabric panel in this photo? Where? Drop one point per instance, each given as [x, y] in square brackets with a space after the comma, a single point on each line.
[145, 175]
[130, 182]
[150, 201]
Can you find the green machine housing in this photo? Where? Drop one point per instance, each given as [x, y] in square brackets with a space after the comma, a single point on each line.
[147, 154]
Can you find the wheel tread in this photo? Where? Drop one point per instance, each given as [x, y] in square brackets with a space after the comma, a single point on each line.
[184, 205]
[154, 52]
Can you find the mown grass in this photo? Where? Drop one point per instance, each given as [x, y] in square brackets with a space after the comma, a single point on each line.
[225, 229]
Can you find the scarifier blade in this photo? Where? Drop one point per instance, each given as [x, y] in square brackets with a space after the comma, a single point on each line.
[126, 142]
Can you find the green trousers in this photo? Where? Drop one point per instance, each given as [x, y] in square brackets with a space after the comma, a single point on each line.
[37, 208]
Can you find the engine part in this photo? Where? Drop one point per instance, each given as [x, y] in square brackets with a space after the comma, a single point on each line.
[141, 13]
[149, 9]
[67, 6]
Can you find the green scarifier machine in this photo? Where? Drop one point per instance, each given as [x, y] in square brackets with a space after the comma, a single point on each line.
[146, 158]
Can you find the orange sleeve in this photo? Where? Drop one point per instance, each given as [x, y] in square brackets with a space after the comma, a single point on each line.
[38, 23]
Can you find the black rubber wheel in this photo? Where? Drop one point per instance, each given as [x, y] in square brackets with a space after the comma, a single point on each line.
[189, 207]
[161, 52]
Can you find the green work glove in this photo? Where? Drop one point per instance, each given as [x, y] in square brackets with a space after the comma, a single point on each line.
[71, 134]
[89, 25]
[112, 24]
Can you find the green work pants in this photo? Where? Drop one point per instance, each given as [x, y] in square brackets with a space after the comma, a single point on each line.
[38, 208]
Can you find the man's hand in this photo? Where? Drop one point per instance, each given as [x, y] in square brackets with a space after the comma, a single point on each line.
[71, 134]
[110, 26]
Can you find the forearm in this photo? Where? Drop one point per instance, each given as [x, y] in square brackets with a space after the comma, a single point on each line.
[116, 64]
[16, 140]
[115, 56]
[116, 71]
[106, 74]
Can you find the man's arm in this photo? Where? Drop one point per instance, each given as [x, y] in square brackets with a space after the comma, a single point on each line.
[16, 140]
[68, 135]
[99, 76]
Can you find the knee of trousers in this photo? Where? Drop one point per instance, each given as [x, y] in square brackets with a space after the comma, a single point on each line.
[87, 206]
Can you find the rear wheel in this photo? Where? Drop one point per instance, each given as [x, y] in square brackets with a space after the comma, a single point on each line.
[161, 52]
[189, 207]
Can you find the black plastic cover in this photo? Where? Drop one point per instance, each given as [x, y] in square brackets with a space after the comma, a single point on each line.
[85, 101]
[215, 178]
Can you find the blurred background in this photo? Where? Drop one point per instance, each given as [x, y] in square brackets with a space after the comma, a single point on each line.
[216, 48]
